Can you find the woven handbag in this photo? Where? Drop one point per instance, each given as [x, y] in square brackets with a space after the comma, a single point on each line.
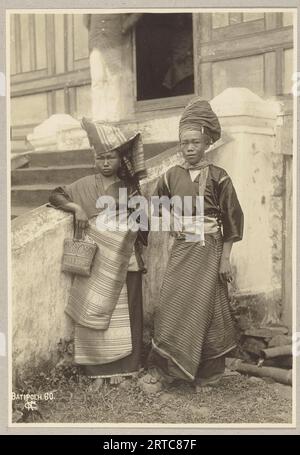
[78, 254]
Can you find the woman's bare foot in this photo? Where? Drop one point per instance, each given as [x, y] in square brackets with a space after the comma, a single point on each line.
[150, 379]
[96, 385]
[206, 385]
[154, 376]
[203, 389]
[116, 380]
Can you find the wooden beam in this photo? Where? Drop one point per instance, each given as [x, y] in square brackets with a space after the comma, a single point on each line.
[45, 84]
[24, 77]
[235, 18]
[242, 29]
[50, 33]
[205, 27]
[270, 74]
[163, 103]
[72, 101]
[207, 80]
[197, 52]
[247, 53]
[270, 20]
[265, 41]
[51, 103]
[279, 71]
[18, 43]
[32, 42]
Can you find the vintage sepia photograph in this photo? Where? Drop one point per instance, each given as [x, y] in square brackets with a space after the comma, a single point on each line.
[152, 216]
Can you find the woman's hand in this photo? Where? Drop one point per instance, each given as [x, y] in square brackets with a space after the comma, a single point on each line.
[81, 219]
[225, 271]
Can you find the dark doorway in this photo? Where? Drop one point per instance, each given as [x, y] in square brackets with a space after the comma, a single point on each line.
[164, 56]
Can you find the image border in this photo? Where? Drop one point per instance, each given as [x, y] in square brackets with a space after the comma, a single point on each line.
[6, 239]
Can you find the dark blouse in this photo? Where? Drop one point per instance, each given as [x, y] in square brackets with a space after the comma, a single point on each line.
[220, 198]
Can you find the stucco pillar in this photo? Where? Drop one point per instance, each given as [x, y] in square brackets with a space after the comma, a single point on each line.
[111, 67]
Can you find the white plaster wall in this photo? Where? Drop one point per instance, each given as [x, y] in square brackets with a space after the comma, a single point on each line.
[39, 289]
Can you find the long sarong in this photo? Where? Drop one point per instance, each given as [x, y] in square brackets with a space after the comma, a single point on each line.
[98, 304]
[93, 299]
[125, 366]
[93, 347]
[193, 321]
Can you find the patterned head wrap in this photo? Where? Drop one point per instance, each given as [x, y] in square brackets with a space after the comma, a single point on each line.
[199, 116]
[104, 137]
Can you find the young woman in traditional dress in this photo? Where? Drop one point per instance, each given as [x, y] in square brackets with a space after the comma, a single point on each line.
[107, 306]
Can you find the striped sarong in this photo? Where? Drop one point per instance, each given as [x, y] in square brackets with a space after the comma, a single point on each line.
[193, 322]
[93, 299]
[97, 347]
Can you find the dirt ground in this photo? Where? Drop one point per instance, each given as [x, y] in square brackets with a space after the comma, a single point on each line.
[238, 399]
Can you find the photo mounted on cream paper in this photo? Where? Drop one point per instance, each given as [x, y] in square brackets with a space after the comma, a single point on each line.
[152, 212]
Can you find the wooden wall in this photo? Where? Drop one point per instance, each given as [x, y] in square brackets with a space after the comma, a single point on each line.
[252, 50]
[49, 67]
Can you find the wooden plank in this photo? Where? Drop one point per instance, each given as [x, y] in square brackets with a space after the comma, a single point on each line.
[288, 66]
[163, 103]
[30, 76]
[220, 20]
[72, 105]
[134, 64]
[279, 71]
[29, 109]
[81, 64]
[270, 74]
[81, 48]
[279, 20]
[271, 20]
[287, 276]
[59, 44]
[235, 18]
[244, 28]
[50, 31]
[13, 66]
[241, 72]
[48, 83]
[252, 16]
[40, 41]
[196, 50]
[60, 107]
[69, 47]
[66, 41]
[83, 101]
[32, 42]
[18, 43]
[287, 19]
[51, 103]
[270, 40]
[206, 26]
[25, 43]
[67, 99]
[206, 80]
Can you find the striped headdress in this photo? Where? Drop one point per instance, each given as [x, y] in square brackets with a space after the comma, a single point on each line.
[104, 137]
[198, 115]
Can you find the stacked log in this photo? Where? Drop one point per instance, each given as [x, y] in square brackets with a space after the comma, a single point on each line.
[277, 374]
[265, 352]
